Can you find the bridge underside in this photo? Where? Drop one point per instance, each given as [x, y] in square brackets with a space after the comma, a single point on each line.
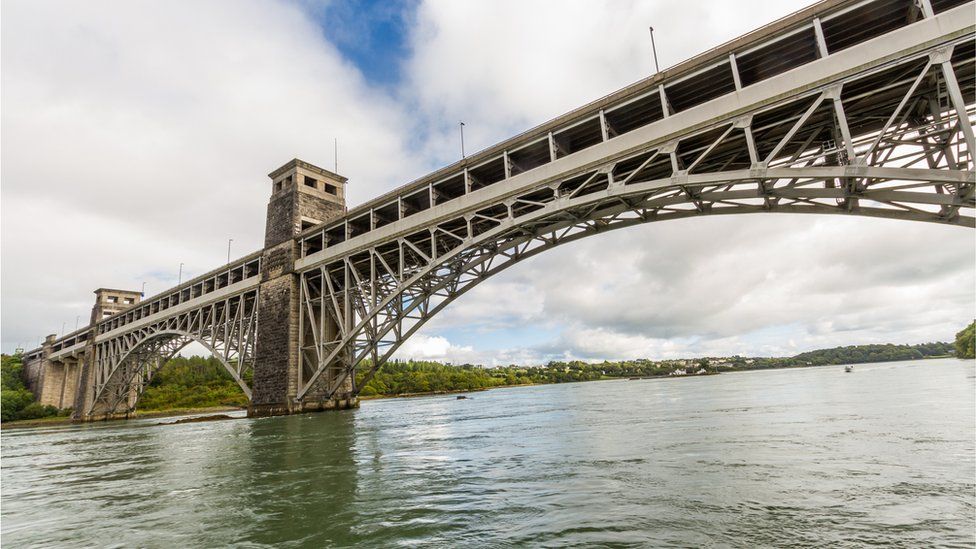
[894, 142]
[869, 112]
[125, 365]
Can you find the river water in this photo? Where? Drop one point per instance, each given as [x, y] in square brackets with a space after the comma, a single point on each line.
[812, 457]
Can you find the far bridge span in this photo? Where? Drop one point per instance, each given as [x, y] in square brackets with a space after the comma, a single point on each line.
[848, 107]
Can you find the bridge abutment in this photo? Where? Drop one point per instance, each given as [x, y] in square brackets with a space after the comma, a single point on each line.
[302, 196]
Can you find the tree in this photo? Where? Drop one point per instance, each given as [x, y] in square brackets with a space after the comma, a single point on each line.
[16, 402]
[12, 402]
[966, 342]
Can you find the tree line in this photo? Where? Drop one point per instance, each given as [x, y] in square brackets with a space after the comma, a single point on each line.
[966, 342]
[16, 401]
[201, 382]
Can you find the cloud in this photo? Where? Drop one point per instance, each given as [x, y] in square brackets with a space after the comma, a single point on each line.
[423, 347]
[503, 66]
[137, 136]
[749, 284]
[770, 285]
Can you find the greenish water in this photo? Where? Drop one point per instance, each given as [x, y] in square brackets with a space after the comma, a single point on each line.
[812, 457]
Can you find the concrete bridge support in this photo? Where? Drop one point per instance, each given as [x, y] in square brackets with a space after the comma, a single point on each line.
[848, 107]
[54, 382]
[302, 196]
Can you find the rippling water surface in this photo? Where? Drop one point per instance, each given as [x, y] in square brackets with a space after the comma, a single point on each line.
[812, 457]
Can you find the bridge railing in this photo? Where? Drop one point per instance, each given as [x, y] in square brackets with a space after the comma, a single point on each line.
[798, 39]
[247, 268]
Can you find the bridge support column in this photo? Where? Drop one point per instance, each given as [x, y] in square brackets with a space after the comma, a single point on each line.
[45, 379]
[86, 381]
[302, 195]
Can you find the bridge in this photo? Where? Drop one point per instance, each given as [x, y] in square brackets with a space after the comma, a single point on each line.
[848, 107]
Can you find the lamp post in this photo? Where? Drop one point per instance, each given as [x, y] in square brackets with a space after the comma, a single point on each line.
[461, 126]
[657, 69]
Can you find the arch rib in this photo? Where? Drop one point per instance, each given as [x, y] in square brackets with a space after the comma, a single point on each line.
[620, 197]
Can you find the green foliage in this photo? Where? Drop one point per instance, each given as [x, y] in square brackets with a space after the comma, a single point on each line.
[12, 402]
[408, 377]
[966, 342]
[859, 354]
[193, 382]
[16, 402]
[11, 373]
[198, 382]
[399, 378]
[35, 410]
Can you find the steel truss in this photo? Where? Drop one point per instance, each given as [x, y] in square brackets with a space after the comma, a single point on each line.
[894, 142]
[125, 364]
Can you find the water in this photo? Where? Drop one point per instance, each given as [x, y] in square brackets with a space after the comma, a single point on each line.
[812, 457]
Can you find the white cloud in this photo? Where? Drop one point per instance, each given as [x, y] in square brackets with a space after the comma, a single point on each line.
[423, 347]
[502, 66]
[751, 284]
[137, 136]
[772, 285]
[490, 307]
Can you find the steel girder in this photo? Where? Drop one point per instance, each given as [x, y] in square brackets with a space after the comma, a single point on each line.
[125, 364]
[894, 142]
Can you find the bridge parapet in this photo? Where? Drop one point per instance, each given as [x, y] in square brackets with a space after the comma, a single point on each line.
[875, 119]
[204, 286]
[854, 107]
[209, 286]
[736, 68]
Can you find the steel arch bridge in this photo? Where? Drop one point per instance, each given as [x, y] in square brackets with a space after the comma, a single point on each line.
[125, 365]
[848, 107]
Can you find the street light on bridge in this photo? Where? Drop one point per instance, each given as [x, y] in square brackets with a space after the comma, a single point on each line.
[657, 69]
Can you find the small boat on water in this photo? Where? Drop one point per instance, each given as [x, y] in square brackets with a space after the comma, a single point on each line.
[848, 368]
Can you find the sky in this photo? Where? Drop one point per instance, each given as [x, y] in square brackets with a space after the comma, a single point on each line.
[137, 135]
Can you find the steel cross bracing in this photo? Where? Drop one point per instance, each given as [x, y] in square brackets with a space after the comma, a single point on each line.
[126, 363]
[855, 108]
[893, 141]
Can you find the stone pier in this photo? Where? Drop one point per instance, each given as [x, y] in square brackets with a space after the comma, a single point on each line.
[302, 196]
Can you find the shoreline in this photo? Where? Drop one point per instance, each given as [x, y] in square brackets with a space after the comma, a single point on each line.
[149, 414]
[54, 421]
[452, 392]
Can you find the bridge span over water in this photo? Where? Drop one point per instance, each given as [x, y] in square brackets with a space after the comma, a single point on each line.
[848, 107]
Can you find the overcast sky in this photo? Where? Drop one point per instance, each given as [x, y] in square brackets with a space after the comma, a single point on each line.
[137, 135]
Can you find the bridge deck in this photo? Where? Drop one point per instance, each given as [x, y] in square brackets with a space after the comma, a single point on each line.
[497, 174]
[760, 67]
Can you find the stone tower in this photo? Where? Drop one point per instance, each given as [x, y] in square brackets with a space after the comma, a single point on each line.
[302, 196]
[109, 301]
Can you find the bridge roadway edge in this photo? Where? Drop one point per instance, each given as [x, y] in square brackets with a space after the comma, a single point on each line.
[297, 209]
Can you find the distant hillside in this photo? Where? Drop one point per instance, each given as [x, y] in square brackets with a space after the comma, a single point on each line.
[198, 382]
[857, 354]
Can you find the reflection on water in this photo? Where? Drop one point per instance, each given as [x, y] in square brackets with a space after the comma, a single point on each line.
[807, 457]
